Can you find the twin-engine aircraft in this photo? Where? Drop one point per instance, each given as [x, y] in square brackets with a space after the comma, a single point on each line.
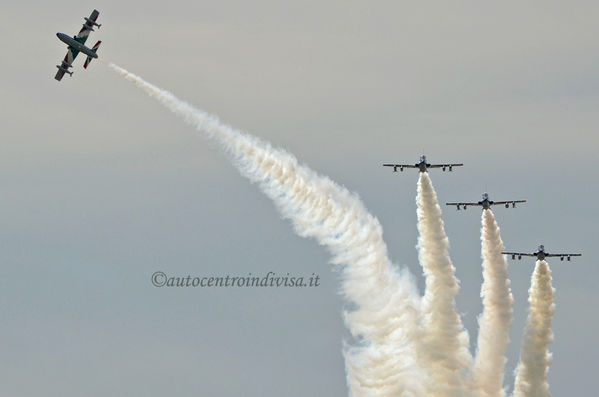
[76, 45]
[423, 166]
[486, 203]
[541, 254]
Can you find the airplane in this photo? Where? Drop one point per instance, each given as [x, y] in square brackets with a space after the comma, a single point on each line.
[76, 45]
[486, 203]
[422, 165]
[541, 254]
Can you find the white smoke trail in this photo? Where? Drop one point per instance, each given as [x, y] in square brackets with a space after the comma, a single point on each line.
[531, 374]
[443, 345]
[387, 301]
[496, 319]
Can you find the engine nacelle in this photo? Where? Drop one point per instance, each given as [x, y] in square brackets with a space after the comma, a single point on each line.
[64, 70]
[519, 257]
[513, 256]
[450, 168]
[443, 168]
[401, 169]
[561, 258]
[568, 259]
[513, 205]
[89, 21]
[507, 205]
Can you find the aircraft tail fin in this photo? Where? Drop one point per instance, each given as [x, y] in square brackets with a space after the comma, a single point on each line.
[94, 49]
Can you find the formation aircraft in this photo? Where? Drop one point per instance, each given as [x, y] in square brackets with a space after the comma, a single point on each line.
[76, 45]
[422, 165]
[541, 254]
[486, 203]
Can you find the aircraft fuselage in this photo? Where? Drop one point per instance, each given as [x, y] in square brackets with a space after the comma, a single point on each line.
[422, 166]
[71, 42]
[541, 253]
[486, 204]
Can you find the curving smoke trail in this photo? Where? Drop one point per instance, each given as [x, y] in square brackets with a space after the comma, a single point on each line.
[496, 319]
[388, 305]
[407, 346]
[443, 342]
[531, 373]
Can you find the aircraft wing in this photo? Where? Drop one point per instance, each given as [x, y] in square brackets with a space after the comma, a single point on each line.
[517, 254]
[508, 202]
[59, 75]
[562, 255]
[67, 63]
[458, 205]
[445, 165]
[88, 26]
[400, 166]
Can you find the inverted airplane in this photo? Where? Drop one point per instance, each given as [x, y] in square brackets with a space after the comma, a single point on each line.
[486, 203]
[541, 254]
[76, 45]
[422, 165]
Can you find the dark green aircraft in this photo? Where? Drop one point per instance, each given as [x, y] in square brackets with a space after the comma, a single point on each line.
[76, 45]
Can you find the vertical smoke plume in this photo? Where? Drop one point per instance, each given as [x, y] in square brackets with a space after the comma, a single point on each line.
[407, 346]
[443, 343]
[496, 319]
[387, 303]
[531, 374]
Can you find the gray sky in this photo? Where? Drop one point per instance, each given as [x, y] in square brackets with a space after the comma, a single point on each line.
[102, 186]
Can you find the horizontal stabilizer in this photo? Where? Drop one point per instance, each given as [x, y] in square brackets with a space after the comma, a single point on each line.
[94, 49]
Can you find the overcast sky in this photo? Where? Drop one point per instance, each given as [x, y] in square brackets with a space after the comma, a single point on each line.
[102, 186]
